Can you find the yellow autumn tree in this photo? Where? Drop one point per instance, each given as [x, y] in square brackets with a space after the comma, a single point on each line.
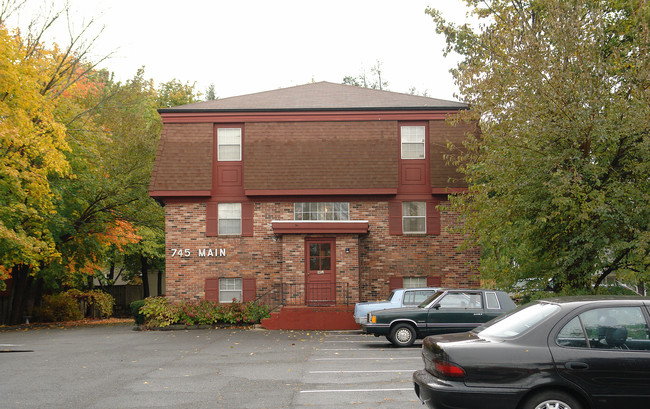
[33, 146]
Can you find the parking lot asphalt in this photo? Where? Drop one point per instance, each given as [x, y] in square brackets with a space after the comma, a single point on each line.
[116, 367]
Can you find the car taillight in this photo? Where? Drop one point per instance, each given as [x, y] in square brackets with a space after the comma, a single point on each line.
[449, 370]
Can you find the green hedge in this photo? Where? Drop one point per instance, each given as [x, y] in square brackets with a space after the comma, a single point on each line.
[66, 306]
[138, 316]
[161, 312]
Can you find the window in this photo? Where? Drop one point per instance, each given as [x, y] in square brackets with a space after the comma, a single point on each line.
[607, 328]
[229, 289]
[519, 321]
[416, 297]
[461, 300]
[229, 219]
[412, 142]
[321, 211]
[572, 335]
[229, 144]
[414, 282]
[414, 217]
[492, 301]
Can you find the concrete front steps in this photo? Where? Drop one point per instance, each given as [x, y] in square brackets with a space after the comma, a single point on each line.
[339, 317]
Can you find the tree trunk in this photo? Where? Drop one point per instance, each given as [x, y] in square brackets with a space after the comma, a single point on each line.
[160, 292]
[145, 276]
[21, 286]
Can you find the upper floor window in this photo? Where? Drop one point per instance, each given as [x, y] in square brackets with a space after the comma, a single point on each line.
[413, 142]
[229, 219]
[414, 217]
[322, 211]
[229, 144]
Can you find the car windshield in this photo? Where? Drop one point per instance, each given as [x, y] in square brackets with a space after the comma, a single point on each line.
[390, 296]
[425, 303]
[518, 321]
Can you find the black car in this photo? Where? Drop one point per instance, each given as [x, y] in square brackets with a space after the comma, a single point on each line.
[562, 353]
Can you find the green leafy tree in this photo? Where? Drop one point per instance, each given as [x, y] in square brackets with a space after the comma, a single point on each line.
[559, 188]
[115, 191]
[173, 93]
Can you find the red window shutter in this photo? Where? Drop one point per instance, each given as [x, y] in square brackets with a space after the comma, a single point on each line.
[211, 219]
[395, 282]
[248, 287]
[212, 289]
[395, 217]
[433, 218]
[247, 219]
[434, 282]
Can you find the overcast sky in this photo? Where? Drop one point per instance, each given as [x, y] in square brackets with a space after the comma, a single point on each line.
[246, 46]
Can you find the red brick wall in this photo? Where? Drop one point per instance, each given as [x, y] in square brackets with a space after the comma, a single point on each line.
[385, 256]
[367, 268]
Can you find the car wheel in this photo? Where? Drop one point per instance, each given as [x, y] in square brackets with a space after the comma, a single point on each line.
[552, 400]
[402, 335]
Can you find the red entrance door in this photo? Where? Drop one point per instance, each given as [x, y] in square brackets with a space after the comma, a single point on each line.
[320, 268]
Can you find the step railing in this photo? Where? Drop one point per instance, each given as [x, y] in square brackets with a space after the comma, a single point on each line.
[310, 294]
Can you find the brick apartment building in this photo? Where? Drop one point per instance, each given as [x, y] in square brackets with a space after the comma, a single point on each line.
[317, 195]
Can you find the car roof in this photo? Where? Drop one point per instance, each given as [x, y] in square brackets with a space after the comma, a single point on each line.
[591, 299]
[417, 289]
[470, 289]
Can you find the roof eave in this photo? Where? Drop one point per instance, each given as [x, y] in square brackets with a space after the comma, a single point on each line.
[461, 106]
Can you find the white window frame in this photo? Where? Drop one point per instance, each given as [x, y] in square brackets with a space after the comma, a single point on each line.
[221, 136]
[229, 212]
[406, 217]
[233, 287]
[413, 135]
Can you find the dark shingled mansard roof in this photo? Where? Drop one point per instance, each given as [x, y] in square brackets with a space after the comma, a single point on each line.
[319, 96]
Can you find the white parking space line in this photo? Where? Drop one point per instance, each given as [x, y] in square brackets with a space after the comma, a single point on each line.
[368, 350]
[368, 359]
[383, 371]
[374, 369]
[363, 342]
[355, 390]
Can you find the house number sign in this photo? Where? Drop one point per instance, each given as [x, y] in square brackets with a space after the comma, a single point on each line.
[199, 252]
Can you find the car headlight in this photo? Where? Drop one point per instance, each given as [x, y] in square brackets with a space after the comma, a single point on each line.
[372, 318]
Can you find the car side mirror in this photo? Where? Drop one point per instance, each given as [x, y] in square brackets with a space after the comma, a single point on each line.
[436, 306]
